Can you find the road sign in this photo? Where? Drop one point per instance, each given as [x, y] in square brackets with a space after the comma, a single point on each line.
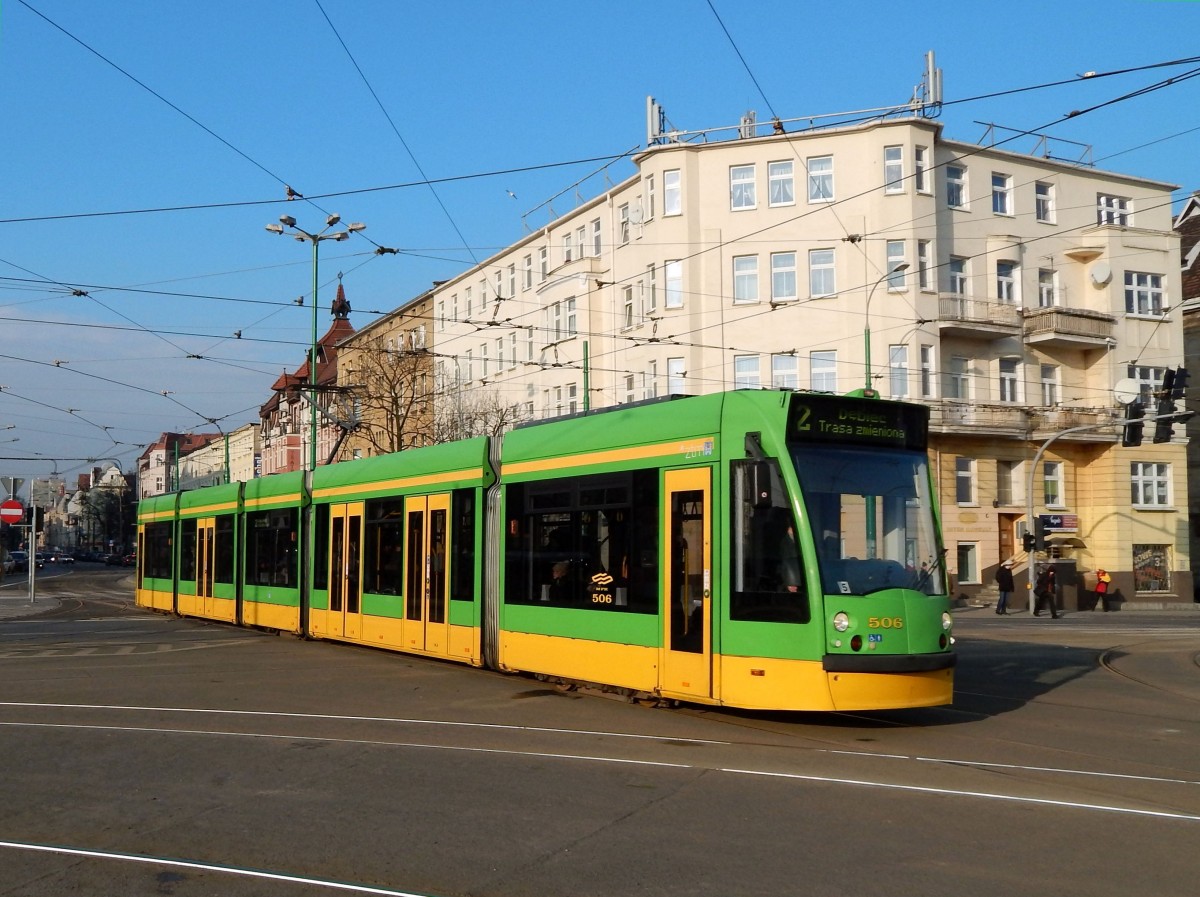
[11, 511]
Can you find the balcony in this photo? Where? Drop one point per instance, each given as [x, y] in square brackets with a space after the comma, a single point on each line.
[1068, 328]
[979, 420]
[963, 316]
[1049, 421]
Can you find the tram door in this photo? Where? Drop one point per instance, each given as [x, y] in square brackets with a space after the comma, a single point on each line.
[426, 580]
[344, 618]
[205, 553]
[687, 661]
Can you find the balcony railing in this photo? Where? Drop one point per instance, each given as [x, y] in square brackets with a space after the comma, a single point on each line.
[1005, 419]
[964, 315]
[1068, 326]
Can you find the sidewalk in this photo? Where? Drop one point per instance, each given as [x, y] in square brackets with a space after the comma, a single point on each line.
[14, 599]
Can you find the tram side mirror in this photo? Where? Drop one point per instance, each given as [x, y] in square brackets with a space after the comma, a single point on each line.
[760, 479]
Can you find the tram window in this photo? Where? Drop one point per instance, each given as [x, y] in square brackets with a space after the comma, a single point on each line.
[156, 551]
[187, 550]
[321, 548]
[271, 547]
[586, 542]
[767, 570]
[462, 544]
[223, 564]
[384, 546]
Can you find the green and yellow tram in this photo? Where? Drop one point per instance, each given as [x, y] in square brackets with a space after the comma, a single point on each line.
[756, 549]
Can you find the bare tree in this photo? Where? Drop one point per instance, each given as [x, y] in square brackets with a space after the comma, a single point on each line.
[461, 414]
[391, 390]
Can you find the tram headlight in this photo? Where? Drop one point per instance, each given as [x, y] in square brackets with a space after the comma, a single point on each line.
[841, 621]
[947, 621]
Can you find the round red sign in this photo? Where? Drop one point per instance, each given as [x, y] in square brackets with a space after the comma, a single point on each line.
[11, 511]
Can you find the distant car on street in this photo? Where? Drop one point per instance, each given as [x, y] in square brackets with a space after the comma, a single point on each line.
[113, 560]
[61, 557]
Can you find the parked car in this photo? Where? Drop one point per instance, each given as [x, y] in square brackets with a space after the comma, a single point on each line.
[113, 560]
[23, 560]
[10, 563]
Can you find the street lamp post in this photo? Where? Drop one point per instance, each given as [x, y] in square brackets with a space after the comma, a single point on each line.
[287, 221]
[903, 266]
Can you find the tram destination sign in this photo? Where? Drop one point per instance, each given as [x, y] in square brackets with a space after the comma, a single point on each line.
[849, 420]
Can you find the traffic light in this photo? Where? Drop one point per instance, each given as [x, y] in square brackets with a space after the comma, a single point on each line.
[1131, 433]
[1036, 540]
[1173, 386]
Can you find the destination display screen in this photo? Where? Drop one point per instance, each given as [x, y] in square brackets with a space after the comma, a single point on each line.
[855, 421]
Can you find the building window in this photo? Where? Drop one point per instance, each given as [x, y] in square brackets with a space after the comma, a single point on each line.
[898, 371]
[675, 375]
[629, 386]
[1008, 483]
[1002, 199]
[623, 224]
[741, 188]
[783, 276]
[572, 398]
[527, 279]
[956, 186]
[672, 193]
[674, 277]
[651, 288]
[597, 243]
[1144, 294]
[895, 258]
[581, 239]
[921, 170]
[893, 169]
[821, 273]
[651, 197]
[1149, 379]
[968, 563]
[651, 385]
[958, 379]
[820, 178]
[627, 308]
[1006, 282]
[927, 372]
[1047, 288]
[1053, 495]
[785, 372]
[1150, 484]
[925, 264]
[1049, 384]
[1010, 379]
[745, 372]
[780, 190]
[568, 247]
[1151, 568]
[960, 282]
[964, 481]
[745, 278]
[543, 264]
[1113, 210]
[822, 371]
[1043, 202]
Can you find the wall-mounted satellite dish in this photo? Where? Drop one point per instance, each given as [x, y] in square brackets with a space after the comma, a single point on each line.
[1101, 274]
[636, 215]
[1126, 390]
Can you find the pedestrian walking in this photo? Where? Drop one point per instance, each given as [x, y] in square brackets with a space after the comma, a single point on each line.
[1103, 584]
[1045, 590]
[1004, 582]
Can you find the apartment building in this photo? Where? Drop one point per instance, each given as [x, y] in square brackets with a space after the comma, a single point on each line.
[1009, 292]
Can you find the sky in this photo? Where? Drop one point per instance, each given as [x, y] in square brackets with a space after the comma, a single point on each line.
[148, 144]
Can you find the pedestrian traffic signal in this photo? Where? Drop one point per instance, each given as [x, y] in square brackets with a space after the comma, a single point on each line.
[1036, 540]
[1131, 432]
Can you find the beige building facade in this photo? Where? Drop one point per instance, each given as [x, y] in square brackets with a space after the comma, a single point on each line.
[1008, 292]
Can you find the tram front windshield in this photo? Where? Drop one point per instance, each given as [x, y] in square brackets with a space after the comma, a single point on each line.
[871, 517]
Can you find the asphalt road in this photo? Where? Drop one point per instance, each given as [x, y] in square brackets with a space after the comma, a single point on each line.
[144, 754]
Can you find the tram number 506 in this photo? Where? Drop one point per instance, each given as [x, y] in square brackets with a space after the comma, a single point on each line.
[885, 622]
